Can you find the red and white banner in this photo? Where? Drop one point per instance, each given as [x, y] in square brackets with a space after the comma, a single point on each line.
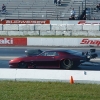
[10, 41]
[88, 41]
[75, 22]
[88, 22]
[24, 21]
[71, 42]
[29, 41]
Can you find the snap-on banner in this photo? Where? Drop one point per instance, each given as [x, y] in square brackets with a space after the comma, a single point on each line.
[24, 21]
[10, 41]
[71, 42]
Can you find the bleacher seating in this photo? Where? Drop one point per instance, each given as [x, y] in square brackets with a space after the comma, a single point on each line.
[46, 9]
[91, 5]
[34, 9]
[93, 12]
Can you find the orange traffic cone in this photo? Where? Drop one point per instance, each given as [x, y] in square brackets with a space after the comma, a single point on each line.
[71, 80]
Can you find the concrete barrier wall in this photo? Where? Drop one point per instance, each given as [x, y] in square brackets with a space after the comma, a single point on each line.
[53, 41]
[10, 27]
[53, 29]
[32, 41]
[49, 75]
[7, 74]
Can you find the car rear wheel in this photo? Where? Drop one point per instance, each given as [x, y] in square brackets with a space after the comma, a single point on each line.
[22, 65]
[66, 64]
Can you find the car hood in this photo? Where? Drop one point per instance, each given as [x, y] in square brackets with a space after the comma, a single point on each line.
[76, 53]
[17, 59]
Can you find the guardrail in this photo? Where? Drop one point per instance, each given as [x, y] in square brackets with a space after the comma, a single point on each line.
[50, 75]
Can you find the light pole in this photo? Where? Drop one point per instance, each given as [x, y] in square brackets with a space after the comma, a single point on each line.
[82, 7]
[57, 10]
[85, 7]
[79, 12]
[85, 4]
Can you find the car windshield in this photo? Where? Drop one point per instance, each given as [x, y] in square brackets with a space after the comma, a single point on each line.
[33, 52]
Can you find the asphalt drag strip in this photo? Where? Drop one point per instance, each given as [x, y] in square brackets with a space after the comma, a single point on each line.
[7, 57]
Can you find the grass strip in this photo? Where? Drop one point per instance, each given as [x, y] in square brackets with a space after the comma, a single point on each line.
[11, 90]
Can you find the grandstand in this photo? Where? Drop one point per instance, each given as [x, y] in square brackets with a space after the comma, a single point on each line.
[45, 9]
[91, 4]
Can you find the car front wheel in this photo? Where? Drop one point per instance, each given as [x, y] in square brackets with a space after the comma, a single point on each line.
[22, 65]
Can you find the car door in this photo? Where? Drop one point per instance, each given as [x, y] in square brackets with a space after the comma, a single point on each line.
[46, 60]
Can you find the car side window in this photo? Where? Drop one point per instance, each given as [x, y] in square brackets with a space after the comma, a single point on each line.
[49, 53]
[44, 54]
[52, 54]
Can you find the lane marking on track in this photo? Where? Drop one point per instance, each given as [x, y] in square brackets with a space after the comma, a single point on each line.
[90, 64]
[1, 57]
[95, 59]
[7, 58]
[97, 48]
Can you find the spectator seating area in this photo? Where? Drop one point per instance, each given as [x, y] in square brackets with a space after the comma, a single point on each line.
[91, 4]
[33, 9]
[79, 6]
[46, 9]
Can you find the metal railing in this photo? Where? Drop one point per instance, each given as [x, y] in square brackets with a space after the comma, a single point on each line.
[56, 15]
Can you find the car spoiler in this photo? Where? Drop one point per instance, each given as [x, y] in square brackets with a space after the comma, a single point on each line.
[92, 50]
[90, 54]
